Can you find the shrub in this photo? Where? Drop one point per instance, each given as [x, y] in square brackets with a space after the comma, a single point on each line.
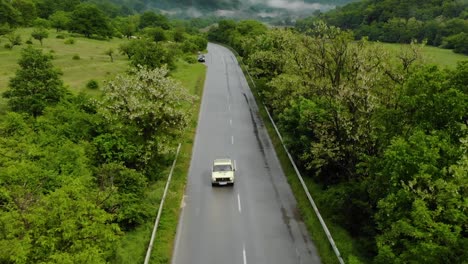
[8, 46]
[76, 57]
[70, 41]
[29, 41]
[190, 58]
[92, 84]
[60, 36]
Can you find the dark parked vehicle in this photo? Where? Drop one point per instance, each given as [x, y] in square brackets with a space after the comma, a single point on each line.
[201, 58]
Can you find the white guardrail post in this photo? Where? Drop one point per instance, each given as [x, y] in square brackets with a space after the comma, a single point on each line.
[156, 222]
[319, 216]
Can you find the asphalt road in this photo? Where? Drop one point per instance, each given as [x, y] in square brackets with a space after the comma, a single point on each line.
[256, 221]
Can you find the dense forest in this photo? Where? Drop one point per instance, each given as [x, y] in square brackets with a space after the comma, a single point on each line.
[74, 169]
[439, 22]
[384, 136]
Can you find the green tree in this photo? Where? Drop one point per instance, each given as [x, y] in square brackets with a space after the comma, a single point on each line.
[60, 20]
[40, 34]
[156, 34]
[127, 26]
[36, 84]
[147, 53]
[151, 19]
[147, 107]
[41, 22]
[422, 214]
[9, 14]
[88, 20]
[5, 29]
[15, 39]
[27, 9]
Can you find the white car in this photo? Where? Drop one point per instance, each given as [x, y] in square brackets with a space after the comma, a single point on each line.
[222, 172]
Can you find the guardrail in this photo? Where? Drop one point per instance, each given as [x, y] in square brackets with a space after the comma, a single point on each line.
[304, 186]
[156, 222]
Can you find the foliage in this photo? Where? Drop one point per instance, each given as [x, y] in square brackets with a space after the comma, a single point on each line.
[60, 20]
[40, 34]
[394, 21]
[384, 135]
[15, 39]
[88, 20]
[146, 106]
[49, 213]
[37, 83]
[27, 10]
[422, 215]
[92, 84]
[151, 19]
[147, 53]
[8, 14]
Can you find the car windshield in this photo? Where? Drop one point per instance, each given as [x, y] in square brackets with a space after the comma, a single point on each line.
[222, 168]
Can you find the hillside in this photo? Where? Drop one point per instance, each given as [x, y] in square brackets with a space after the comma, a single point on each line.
[440, 22]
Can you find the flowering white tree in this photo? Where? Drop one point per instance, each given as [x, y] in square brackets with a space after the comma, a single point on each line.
[149, 108]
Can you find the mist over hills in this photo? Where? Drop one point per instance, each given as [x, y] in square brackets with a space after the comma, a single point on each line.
[259, 9]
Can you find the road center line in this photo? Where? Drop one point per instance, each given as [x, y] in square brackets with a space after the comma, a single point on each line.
[232, 140]
[243, 252]
[239, 204]
[230, 122]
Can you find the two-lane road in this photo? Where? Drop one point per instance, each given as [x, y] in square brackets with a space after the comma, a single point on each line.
[256, 221]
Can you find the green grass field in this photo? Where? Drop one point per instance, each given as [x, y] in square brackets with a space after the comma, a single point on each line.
[433, 55]
[93, 63]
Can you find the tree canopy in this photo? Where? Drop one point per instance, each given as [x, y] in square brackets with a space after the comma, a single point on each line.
[384, 136]
[36, 85]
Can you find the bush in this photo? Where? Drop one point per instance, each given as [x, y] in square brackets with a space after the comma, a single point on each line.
[70, 41]
[76, 57]
[29, 41]
[8, 46]
[190, 58]
[60, 36]
[92, 84]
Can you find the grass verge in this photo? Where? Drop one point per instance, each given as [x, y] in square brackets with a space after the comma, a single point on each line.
[132, 248]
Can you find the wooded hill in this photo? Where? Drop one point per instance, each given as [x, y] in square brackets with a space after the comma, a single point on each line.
[439, 22]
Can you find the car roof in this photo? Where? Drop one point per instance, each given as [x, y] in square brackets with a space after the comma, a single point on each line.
[222, 162]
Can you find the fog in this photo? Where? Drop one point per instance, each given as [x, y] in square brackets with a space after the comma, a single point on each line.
[260, 9]
[292, 5]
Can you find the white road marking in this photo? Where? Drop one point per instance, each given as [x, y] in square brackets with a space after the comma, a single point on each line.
[243, 252]
[232, 140]
[229, 107]
[179, 228]
[239, 203]
[230, 122]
